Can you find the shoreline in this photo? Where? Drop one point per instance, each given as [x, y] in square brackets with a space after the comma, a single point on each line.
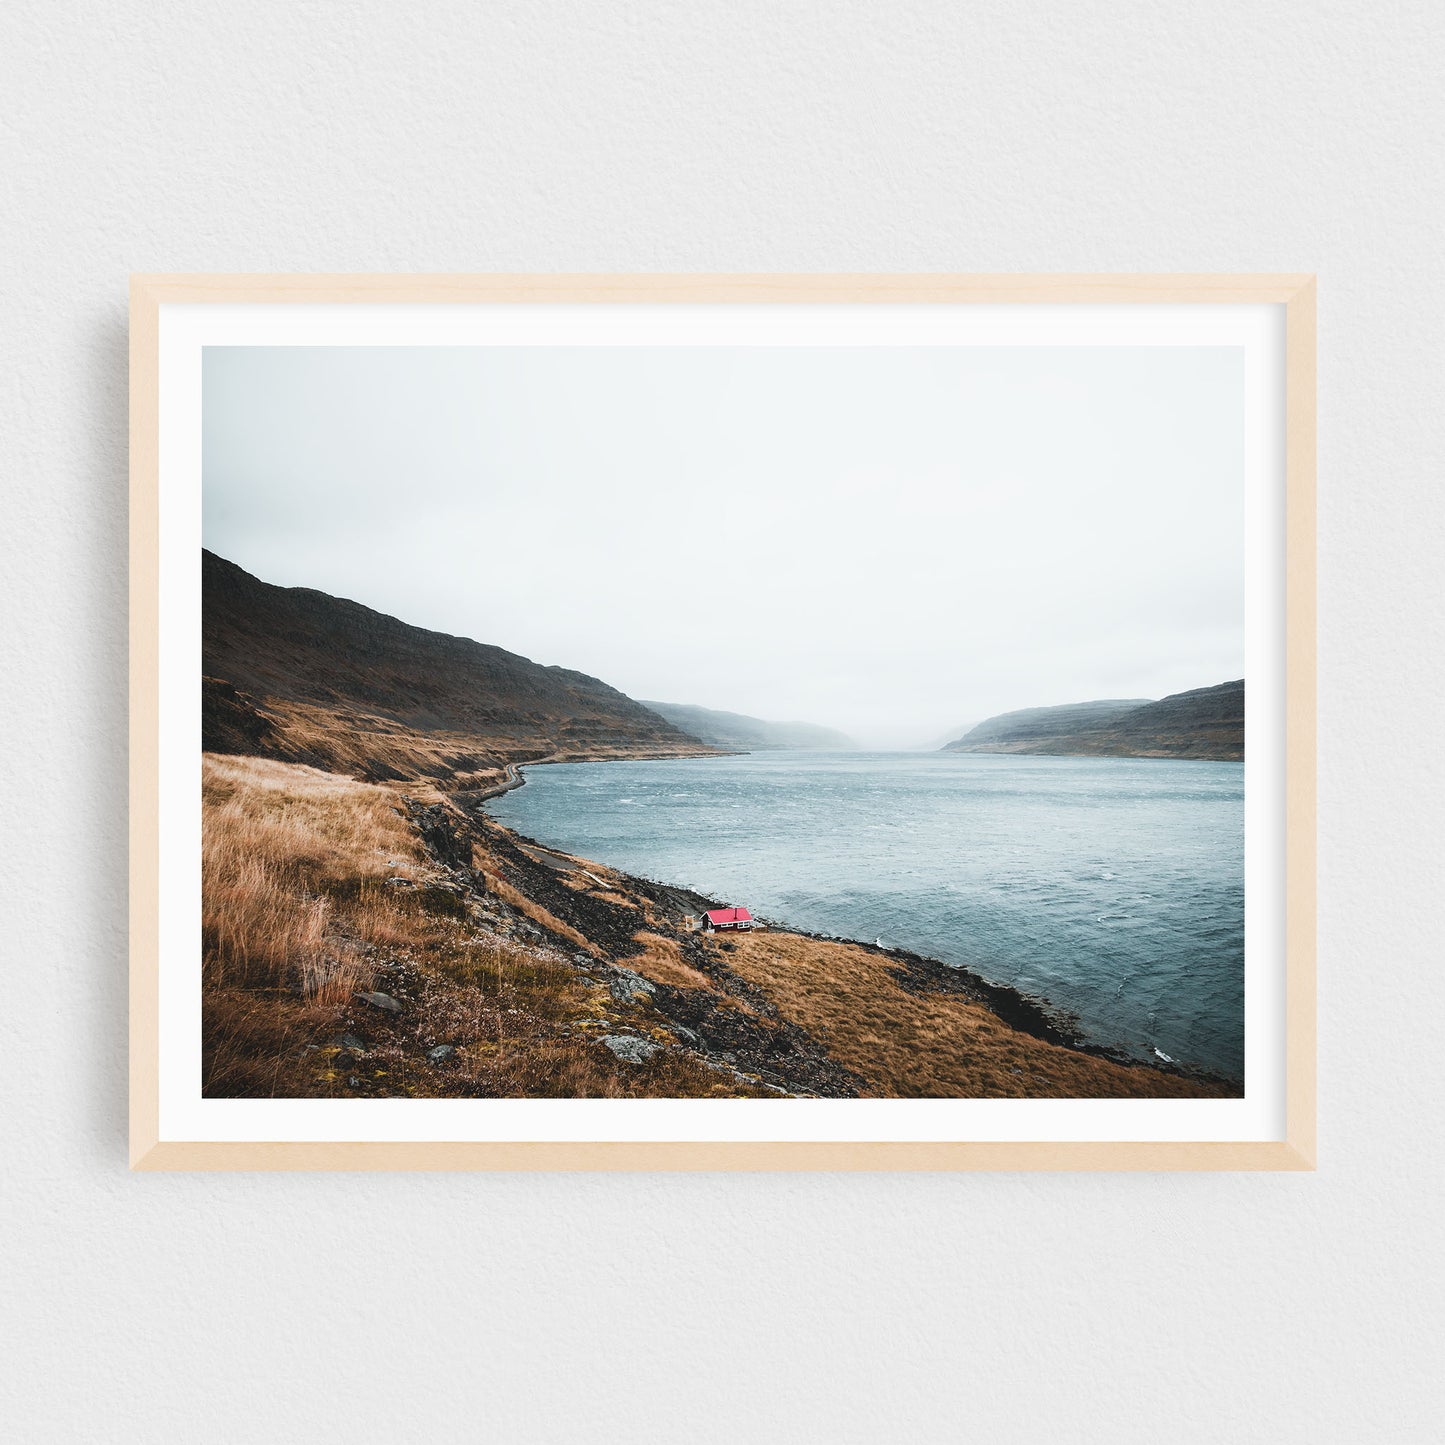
[514, 778]
[1028, 1014]
[460, 959]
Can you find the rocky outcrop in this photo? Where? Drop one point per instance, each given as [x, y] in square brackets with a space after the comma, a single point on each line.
[231, 722]
[629, 1048]
[628, 986]
[443, 832]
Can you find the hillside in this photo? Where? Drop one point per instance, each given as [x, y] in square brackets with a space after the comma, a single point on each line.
[301, 676]
[388, 940]
[1205, 723]
[378, 935]
[749, 734]
[1033, 729]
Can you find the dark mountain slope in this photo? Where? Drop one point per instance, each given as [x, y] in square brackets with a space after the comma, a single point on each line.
[297, 674]
[1204, 723]
[1031, 729]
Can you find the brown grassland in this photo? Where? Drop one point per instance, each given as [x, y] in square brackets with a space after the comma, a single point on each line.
[367, 929]
[298, 918]
[344, 955]
[915, 1045]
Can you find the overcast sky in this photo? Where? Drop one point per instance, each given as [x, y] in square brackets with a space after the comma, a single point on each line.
[893, 541]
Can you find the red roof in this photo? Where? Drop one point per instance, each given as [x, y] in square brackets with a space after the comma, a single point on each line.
[728, 915]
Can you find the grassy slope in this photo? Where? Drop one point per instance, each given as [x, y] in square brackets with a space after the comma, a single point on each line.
[318, 888]
[300, 916]
[915, 1044]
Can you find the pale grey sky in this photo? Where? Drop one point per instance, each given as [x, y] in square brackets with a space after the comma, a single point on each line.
[887, 540]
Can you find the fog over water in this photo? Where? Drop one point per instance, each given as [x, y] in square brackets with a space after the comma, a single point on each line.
[889, 541]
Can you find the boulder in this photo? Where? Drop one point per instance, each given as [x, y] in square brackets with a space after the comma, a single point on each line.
[442, 1054]
[383, 1001]
[627, 986]
[629, 1049]
[443, 834]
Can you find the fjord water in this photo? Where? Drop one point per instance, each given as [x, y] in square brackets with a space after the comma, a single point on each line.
[1112, 887]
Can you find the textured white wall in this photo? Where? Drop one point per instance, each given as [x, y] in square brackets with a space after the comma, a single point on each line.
[749, 135]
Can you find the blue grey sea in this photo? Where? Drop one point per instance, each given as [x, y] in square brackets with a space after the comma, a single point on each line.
[1113, 888]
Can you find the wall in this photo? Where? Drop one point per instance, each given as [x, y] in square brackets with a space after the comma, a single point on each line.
[744, 136]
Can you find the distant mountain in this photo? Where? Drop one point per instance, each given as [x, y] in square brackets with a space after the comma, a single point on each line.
[1012, 731]
[749, 734]
[299, 675]
[1205, 723]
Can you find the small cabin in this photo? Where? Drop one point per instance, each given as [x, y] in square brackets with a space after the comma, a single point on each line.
[727, 920]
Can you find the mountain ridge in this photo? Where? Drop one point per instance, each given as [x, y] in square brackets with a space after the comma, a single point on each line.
[298, 675]
[1203, 723]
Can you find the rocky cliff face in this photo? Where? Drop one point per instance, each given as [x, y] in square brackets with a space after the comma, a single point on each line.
[1204, 723]
[299, 675]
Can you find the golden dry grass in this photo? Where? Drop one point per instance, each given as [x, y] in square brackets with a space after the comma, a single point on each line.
[916, 1045]
[294, 903]
[297, 915]
[284, 850]
[350, 740]
[661, 960]
[372, 745]
[315, 817]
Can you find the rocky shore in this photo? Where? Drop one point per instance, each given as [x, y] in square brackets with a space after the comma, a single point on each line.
[380, 939]
[368, 928]
[729, 963]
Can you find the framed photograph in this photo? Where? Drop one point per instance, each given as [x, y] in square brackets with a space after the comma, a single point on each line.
[710, 722]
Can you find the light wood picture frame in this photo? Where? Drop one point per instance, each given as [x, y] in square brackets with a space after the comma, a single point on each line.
[156, 1145]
